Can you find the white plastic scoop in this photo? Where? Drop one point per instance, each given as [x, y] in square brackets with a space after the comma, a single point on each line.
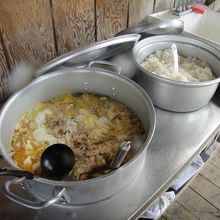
[175, 59]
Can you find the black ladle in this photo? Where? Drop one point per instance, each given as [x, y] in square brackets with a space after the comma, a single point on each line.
[56, 161]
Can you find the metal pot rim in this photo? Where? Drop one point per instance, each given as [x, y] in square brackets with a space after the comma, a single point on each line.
[106, 72]
[160, 39]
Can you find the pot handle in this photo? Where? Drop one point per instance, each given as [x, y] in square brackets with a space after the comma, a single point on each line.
[106, 65]
[26, 203]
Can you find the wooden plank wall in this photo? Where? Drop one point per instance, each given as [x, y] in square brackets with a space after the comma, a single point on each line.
[26, 29]
[36, 31]
[3, 73]
[74, 24]
[138, 11]
[39, 30]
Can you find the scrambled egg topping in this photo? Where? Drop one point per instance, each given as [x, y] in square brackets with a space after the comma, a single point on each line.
[93, 126]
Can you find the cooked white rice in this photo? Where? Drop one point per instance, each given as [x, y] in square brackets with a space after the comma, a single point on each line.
[191, 69]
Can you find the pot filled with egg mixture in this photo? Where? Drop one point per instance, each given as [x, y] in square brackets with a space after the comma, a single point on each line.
[179, 73]
[92, 111]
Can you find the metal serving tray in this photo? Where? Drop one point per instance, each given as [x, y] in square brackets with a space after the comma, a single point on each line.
[178, 138]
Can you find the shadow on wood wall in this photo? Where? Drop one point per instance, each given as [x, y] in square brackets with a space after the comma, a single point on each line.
[36, 31]
[39, 30]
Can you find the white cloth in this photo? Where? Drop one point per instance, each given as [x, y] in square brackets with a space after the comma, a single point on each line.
[157, 208]
[187, 173]
[159, 205]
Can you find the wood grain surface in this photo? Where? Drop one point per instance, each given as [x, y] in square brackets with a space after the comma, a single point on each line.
[215, 160]
[212, 173]
[26, 29]
[111, 17]
[138, 10]
[74, 22]
[201, 200]
[207, 190]
[161, 5]
[4, 92]
[36, 31]
[197, 205]
[178, 212]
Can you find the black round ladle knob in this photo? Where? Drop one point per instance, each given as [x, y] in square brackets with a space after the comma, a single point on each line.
[57, 161]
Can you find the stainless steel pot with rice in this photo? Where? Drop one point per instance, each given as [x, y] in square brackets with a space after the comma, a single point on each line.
[192, 86]
[92, 110]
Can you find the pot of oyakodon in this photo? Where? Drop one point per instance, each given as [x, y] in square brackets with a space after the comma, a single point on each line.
[90, 109]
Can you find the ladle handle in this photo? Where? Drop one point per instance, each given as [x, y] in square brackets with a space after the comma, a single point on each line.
[120, 155]
[27, 203]
[16, 173]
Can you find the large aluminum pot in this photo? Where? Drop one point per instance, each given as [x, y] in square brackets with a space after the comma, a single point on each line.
[46, 87]
[175, 95]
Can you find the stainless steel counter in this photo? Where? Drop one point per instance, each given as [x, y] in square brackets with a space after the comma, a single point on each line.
[178, 138]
